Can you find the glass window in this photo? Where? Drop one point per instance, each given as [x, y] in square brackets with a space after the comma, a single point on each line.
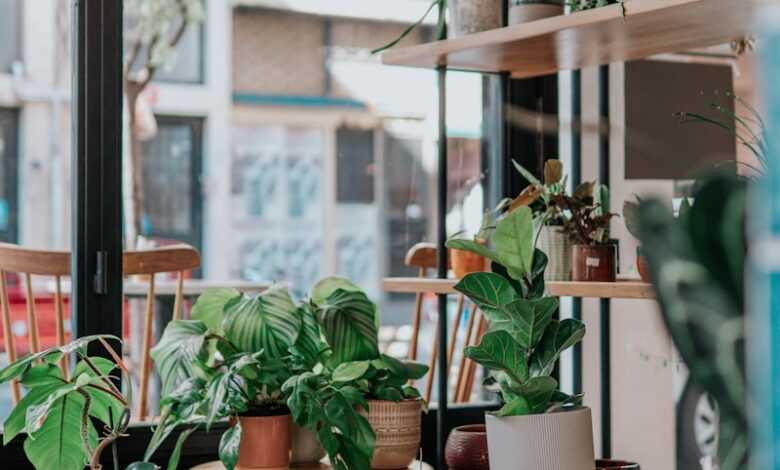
[9, 128]
[187, 66]
[10, 34]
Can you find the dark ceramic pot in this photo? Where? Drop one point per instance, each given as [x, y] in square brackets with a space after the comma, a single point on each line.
[467, 448]
[594, 263]
[616, 465]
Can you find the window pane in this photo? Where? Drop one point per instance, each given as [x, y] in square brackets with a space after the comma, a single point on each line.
[10, 16]
[187, 65]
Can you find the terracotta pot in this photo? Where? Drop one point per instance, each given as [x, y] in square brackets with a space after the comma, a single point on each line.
[306, 449]
[557, 247]
[467, 448]
[548, 441]
[523, 11]
[594, 263]
[465, 262]
[397, 429]
[473, 16]
[616, 465]
[643, 267]
[265, 442]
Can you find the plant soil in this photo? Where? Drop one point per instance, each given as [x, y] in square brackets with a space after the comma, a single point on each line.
[266, 410]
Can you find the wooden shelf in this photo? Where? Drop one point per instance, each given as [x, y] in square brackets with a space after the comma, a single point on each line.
[592, 37]
[623, 289]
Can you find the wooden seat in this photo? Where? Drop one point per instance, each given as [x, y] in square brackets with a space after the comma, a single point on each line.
[423, 256]
[168, 259]
[57, 264]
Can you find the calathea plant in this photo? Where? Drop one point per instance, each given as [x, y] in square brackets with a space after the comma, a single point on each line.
[331, 398]
[524, 341]
[60, 410]
[538, 194]
[231, 360]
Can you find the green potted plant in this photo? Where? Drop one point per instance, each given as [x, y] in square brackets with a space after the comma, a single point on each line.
[594, 255]
[549, 218]
[59, 413]
[465, 260]
[520, 351]
[357, 400]
[523, 11]
[231, 361]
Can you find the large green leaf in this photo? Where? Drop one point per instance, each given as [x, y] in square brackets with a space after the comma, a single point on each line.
[228, 446]
[341, 413]
[15, 422]
[527, 320]
[348, 322]
[173, 356]
[325, 287]
[349, 371]
[517, 406]
[514, 242]
[104, 406]
[269, 322]
[309, 343]
[558, 337]
[537, 392]
[489, 291]
[210, 307]
[57, 445]
[500, 352]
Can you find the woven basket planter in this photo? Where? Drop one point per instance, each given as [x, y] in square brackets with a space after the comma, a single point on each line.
[397, 429]
[557, 247]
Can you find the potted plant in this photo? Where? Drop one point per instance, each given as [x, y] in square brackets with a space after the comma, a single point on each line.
[631, 219]
[538, 195]
[463, 257]
[522, 11]
[60, 411]
[594, 255]
[231, 361]
[357, 400]
[582, 5]
[520, 351]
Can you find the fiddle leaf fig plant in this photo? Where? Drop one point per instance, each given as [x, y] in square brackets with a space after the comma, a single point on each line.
[59, 412]
[524, 341]
[231, 359]
[331, 398]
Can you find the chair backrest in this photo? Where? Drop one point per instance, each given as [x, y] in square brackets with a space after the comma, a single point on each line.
[26, 263]
[168, 259]
[423, 256]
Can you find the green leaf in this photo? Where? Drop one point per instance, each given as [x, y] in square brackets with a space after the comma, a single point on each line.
[210, 307]
[514, 242]
[389, 394]
[267, 322]
[411, 392]
[558, 337]
[355, 427]
[518, 406]
[101, 402]
[173, 461]
[57, 444]
[347, 319]
[527, 320]
[473, 247]
[349, 371]
[228, 446]
[405, 370]
[499, 351]
[325, 287]
[181, 343]
[15, 422]
[309, 343]
[533, 180]
[489, 291]
[536, 391]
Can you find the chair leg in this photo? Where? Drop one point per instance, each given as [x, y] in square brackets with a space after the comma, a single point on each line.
[146, 361]
[8, 335]
[432, 362]
[416, 325]
[462, 363]
[60, 324]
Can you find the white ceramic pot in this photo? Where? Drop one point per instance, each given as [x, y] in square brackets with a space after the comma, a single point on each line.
[551, 441]
[523, 12]
[473, 16]
[557, 247]
[305, 447]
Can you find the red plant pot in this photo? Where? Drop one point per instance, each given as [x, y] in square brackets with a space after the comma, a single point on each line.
[467, 448]
[616, 465]
[594, 263]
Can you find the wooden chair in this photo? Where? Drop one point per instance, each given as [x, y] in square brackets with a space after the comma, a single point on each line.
[26, 263]
[149, 263]
[423, 257]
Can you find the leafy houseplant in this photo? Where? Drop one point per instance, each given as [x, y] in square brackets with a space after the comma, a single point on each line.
[697, 264]
[467, 261]
[521, 349]
[352, 387]
[539, 195]
[58, 410]
[231, 360]
[594, 257]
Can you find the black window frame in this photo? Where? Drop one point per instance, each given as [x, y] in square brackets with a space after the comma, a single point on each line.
[11, 174]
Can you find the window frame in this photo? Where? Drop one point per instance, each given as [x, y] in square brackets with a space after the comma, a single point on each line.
[11, 174]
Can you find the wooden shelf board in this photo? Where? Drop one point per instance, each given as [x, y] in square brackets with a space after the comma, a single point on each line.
[592, 37]
[623, 289]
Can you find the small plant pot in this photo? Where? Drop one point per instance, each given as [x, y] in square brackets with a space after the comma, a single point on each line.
[473, 16]
[551, 441]
[467, 448]
[523, 11]
[265, 442]
[306, 449]
[594, 263]
[643, 267]
[397, 429]
[557, 247]
[616, 465]
[465, 262]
